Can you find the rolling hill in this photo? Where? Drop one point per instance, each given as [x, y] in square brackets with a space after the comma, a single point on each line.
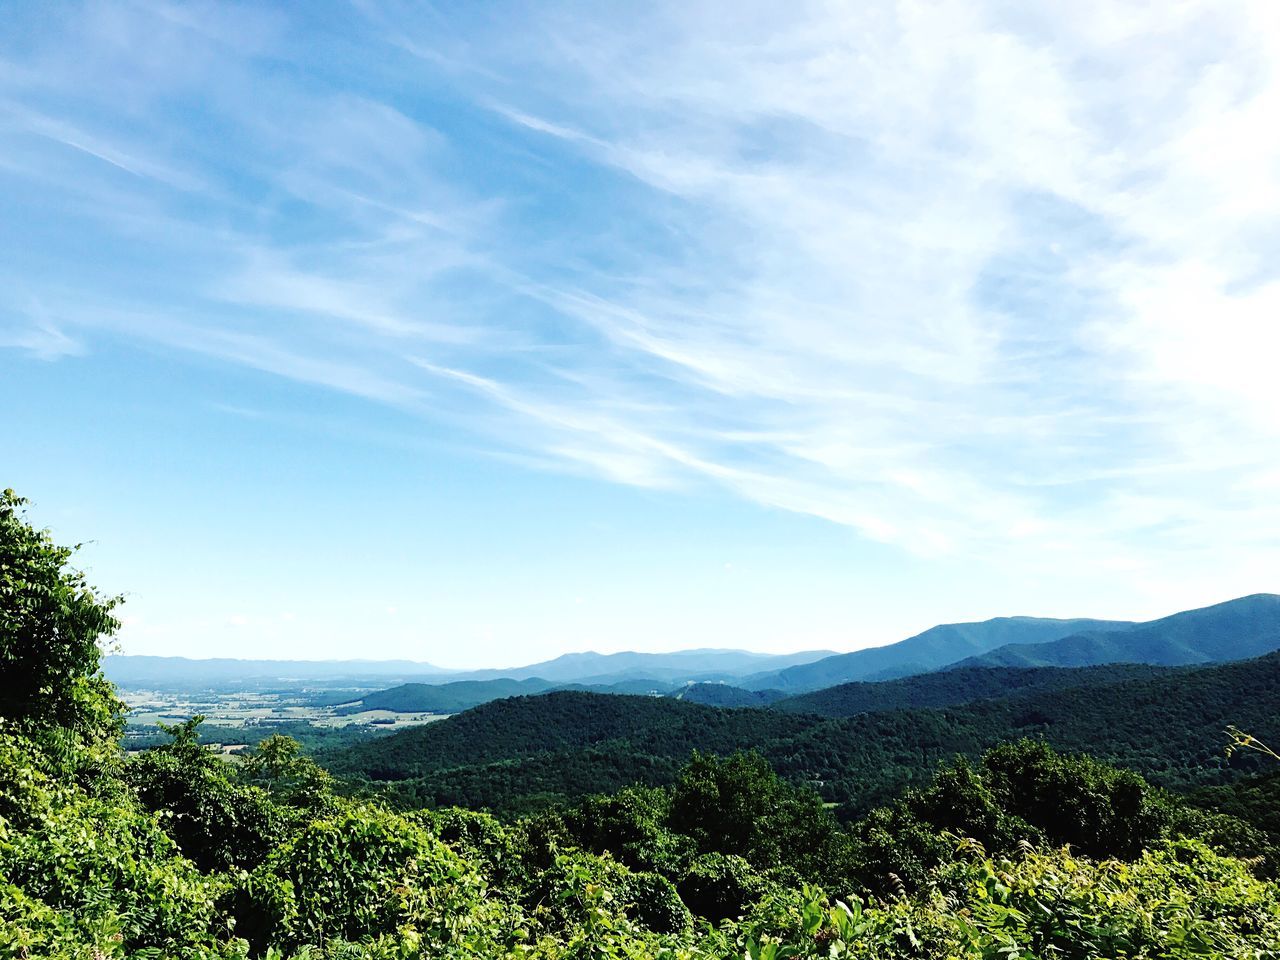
[955, 687]
[1234, 630]
[524, 753]
[934, 648]
[726, 695]
[459, 695]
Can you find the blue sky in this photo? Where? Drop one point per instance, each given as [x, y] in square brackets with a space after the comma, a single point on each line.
[477, 333]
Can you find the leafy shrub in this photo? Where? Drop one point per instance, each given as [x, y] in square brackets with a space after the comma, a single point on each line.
[718, 886]
[365, 873]
[483, 841]
[1099, 810]
[215, 821]
[108, 870]
[634, 826]
[50, 624]
[577, 886]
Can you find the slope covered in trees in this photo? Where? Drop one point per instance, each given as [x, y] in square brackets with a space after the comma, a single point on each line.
[1167, 727]
[948, 688]
[461, 695]
[447, 697]
[726, 695]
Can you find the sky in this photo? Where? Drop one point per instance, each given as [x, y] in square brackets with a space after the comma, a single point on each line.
[480, 333]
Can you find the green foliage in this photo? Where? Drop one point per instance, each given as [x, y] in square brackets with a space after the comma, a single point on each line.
[949, 688]
[102, 865]
[719, 886]
[738, 805]
[277, 766]
[216, 822]
[520, 755]
[1256, 802]
[1023, 794]
[635, 826]
[573, 887]
[365, 872]
[50, 624]
[1097, 809]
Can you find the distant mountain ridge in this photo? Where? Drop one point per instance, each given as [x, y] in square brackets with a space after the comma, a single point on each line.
[1235, 630]
[166, 672]
[589, 668]
[934, 648]
[679, 666]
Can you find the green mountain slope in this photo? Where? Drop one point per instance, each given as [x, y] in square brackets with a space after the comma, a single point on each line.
[954, 687]
[520, 753]
[464, 694]
[726, 695]
[934, 648]
[446, 697]
[1247, 627]
[519, 727]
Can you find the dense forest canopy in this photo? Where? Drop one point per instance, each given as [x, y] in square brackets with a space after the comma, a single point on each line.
[1023, 852]
[520, 754]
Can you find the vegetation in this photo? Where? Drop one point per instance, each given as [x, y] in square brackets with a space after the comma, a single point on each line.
[446, 697]
[515, 756]
[310, 735]
[725, 695]
[948, 688]
[177, 853]
[50, 623]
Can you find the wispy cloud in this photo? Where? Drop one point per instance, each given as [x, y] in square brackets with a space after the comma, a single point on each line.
[973, 279]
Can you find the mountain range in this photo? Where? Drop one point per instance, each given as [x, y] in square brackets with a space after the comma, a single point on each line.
[590, 668]
[1237, 629]
[934, 648]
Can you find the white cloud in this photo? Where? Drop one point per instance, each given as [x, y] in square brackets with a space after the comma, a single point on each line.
[975, 279]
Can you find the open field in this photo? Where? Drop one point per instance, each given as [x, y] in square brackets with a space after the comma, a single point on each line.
[246, 717]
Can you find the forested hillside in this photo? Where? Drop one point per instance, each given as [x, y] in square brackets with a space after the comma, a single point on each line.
[948, 688]
[726, 695]
[521, 727]
[447, 697]
[506, 754]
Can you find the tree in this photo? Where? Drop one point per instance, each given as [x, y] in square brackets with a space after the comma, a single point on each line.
[51, 622]
[217, 822]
